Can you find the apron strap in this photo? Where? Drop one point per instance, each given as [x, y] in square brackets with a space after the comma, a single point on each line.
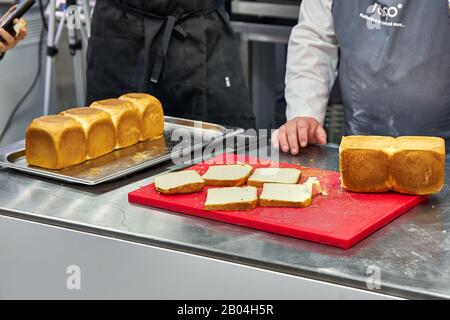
[171, 26]
[162, 53]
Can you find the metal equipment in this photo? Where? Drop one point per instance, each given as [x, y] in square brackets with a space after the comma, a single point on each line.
[76, 18]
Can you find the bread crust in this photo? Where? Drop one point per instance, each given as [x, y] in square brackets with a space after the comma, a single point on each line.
[260, 184]
[410, 165]
[285, 204]
[52, 143]
[99, 130]
[241, 206]
[188, 188]
[151, 114]
[228, 183]
[126, 119]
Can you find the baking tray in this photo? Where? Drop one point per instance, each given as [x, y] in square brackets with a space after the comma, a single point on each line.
[125, 161]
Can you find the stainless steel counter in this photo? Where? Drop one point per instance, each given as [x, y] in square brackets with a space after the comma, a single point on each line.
[412, 254]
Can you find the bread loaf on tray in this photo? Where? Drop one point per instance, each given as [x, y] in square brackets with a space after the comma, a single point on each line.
[55, 142]
[411, 165]
[80, 134]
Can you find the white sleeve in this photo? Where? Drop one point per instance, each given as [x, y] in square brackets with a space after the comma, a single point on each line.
[312, 61]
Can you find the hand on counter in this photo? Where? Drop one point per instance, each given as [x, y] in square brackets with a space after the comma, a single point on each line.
[298, 133]
[7, 41]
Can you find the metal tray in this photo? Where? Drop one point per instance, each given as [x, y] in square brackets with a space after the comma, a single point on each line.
[125, 161]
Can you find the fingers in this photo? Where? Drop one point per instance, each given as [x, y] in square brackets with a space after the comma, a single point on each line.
[298, 133]
[3, 48]
[11, 10]
[22, 34]
[275, 139]
[292, 137]
[8, 40]
[321, 135]
[283, 141]
[302, 131]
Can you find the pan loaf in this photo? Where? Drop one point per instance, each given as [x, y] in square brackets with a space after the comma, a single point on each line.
[80, 134]
[55, 142]
[410, 165]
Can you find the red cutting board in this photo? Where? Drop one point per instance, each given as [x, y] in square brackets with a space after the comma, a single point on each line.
[340, 219]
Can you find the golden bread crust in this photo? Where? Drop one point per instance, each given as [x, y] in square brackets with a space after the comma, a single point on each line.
[99, 130]
[190, 188]
[288, 204]
[125, 117]
[411, 165]
[151, 114]
[228, 183]
[243, 206]
[55, 142]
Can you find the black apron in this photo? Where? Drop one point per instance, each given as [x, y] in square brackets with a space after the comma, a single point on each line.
[181, 51]
[395, 76]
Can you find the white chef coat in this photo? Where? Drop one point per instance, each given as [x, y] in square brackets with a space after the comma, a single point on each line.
[312, 61]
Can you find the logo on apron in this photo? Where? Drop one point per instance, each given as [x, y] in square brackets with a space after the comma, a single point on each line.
[378, 15]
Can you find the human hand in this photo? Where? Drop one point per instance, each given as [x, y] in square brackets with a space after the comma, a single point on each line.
[7, 41]
[298, 133]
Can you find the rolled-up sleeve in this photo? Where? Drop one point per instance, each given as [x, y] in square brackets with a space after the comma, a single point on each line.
[312, 61]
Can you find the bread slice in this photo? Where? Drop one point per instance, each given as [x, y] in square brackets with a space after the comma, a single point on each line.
[125, 117]
[365, 163]
[99, 130]
[232, 199]
[418, 165]
[151, 114]
[274, 175]
[227, 175]
[286, 195]
[55, 142]
[188, 181]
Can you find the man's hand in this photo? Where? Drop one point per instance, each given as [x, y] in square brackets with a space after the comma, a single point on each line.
[298, 133]
[7, 41]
